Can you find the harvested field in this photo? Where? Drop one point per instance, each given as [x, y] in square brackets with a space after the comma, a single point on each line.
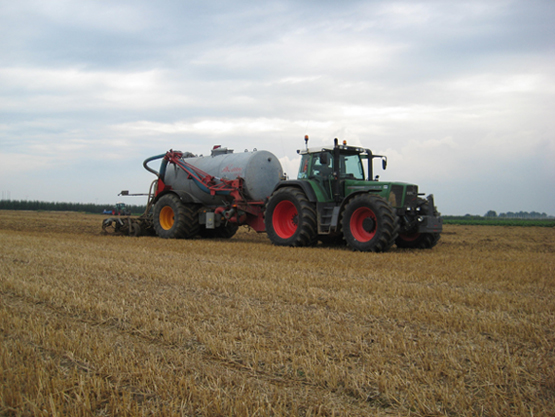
[103, 325]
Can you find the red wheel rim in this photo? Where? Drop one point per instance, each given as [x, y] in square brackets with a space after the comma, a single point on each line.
[285, 219]
[357, 224]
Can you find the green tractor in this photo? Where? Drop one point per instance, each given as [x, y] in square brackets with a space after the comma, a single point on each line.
[334, 200]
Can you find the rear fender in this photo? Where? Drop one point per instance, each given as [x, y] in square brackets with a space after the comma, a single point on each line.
[353, 195]
[304, 186]
[185, 197]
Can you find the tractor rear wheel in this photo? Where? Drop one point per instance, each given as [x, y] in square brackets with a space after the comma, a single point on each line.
[290, 218]
[175, 220]
[369, 224]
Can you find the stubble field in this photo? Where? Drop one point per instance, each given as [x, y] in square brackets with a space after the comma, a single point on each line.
[103, 325]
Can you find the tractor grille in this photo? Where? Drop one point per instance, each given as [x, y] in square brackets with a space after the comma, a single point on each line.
[396, 195]
[412, 195]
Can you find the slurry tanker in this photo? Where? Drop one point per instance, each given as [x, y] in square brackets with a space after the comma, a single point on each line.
[335, 199]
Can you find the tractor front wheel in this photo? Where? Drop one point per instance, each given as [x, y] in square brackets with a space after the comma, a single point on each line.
[175, 220]
[290, 218]
[369, 224]
[417, 240]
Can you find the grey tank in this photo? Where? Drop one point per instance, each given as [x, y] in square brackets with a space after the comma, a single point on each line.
[261, 171]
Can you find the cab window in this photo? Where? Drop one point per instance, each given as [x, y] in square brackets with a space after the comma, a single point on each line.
[322, 165]
[303, 167]
[351, 167]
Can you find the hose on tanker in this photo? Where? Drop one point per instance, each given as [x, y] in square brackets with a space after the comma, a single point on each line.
[149, 169]
[207, 190]
[151, 195]
[195, 179]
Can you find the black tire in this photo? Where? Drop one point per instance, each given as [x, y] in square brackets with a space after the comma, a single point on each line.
[224, 231]
[291, 219]
[175, 220]
[369, 224]
[417, 240]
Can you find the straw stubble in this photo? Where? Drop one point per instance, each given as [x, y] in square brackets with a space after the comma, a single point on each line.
[98, 325]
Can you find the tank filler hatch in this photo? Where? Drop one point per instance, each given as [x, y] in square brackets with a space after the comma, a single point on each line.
[218, 150]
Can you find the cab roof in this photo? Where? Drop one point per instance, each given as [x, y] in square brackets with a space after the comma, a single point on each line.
[344, 149]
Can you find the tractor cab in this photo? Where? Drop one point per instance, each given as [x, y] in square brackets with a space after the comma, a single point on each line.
[337, 170]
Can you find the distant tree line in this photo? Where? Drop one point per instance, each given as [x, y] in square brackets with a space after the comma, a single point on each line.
[48, 206]
[521, 218]
[517, 215]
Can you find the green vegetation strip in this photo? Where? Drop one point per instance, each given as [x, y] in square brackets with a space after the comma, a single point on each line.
[481, 221]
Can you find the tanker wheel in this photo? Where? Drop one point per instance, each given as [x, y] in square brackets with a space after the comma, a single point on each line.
[175, 220]
[369, 224]
[226, 231]
[290, 218]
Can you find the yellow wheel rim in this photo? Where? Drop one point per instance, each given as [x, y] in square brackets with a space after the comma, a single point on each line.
[166, 218]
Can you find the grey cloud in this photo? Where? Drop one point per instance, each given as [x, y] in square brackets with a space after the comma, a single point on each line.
[452, 91]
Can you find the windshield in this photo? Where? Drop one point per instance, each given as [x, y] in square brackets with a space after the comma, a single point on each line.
[322, 167]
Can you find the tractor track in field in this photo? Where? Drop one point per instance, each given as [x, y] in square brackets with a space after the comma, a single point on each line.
[209, 327]
[171, 355]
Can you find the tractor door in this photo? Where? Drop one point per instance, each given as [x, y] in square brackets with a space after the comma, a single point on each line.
[317, 168]
[322, 172]
[351, 172]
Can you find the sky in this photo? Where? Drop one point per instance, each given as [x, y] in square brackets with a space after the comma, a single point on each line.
[459, 95]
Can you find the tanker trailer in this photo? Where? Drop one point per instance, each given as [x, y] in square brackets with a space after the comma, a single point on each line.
[212, 196]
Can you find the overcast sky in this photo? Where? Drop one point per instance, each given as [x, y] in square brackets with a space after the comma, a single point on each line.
[458, 94]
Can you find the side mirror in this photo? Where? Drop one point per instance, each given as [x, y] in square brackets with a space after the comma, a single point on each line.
[384, 163]
[324, 158]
